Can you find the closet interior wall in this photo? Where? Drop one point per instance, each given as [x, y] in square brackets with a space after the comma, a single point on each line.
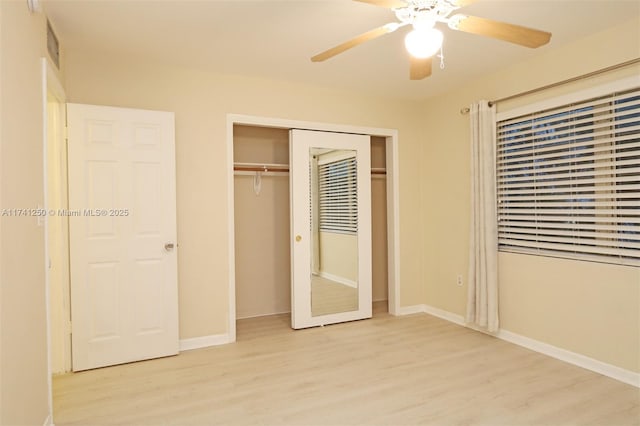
[262, 233]
[379, 261]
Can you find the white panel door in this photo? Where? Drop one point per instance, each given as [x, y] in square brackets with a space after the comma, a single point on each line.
[122, 230]
[330, 190]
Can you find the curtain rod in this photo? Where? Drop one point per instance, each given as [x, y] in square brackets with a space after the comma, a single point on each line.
[560, 83]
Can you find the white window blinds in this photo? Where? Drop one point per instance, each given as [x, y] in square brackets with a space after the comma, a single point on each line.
[568, 180]
[338, 203]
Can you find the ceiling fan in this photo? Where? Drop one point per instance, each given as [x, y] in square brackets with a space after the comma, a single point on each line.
[424, 40]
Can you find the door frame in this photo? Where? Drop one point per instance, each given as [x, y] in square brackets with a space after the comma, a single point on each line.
[50, 85]
[393, 191]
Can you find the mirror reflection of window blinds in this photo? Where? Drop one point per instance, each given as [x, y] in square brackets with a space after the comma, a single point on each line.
[337, 201]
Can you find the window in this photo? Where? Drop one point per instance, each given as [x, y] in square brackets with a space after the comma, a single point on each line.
[568, 180]
[338, 203]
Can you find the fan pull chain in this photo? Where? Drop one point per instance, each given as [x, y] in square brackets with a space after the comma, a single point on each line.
[441, 56]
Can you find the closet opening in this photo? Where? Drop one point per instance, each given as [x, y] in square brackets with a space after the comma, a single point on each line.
[260, 285]
[261, 222]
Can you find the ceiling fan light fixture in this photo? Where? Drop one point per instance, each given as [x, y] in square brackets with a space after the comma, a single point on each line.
[423, 43]
[423, 24]
[455, 21]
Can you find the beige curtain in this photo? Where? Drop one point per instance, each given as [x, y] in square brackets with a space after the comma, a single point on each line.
[482, 298]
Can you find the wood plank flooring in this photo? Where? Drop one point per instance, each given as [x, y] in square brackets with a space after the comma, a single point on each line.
[413, 370]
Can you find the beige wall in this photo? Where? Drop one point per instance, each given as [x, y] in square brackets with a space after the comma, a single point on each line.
[201, 102]
[262, 145]
[2, 385]
[379, 259]
[263, 267]
[585, 307]
[588, 308]
[23, 342]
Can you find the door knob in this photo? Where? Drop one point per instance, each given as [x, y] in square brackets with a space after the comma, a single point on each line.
[298, 238]
[169, 246]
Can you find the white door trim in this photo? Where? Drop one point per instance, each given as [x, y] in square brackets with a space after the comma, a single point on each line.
[393, 191]
[50, 84]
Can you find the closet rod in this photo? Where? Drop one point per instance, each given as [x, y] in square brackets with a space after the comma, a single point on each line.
[260, 169]
[286, 169]
[560, 83]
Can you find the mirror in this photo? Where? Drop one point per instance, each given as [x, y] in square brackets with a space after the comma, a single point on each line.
[334, 230]
[330, 193]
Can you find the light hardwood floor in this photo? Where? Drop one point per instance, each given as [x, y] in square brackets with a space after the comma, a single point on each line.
[413, 370]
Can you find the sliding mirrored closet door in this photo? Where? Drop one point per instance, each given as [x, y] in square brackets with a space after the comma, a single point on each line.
[330, 227]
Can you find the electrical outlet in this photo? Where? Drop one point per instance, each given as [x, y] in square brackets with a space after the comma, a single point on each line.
[459, 280]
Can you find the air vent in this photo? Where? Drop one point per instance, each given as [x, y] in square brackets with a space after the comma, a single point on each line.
[53, 46]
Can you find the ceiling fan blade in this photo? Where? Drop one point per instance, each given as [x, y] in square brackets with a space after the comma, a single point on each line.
[463, 3]
[369, 35]
[390, 4]
[508, 32]
[420, 68]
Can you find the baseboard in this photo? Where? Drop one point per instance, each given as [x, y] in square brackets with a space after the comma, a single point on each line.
[433, 311]
[625, 376]
[617, 373]
[410, 310]
[262, 315]
[204, 342]
[446, 315]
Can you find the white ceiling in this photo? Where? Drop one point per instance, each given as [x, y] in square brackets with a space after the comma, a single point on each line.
[275, 38]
